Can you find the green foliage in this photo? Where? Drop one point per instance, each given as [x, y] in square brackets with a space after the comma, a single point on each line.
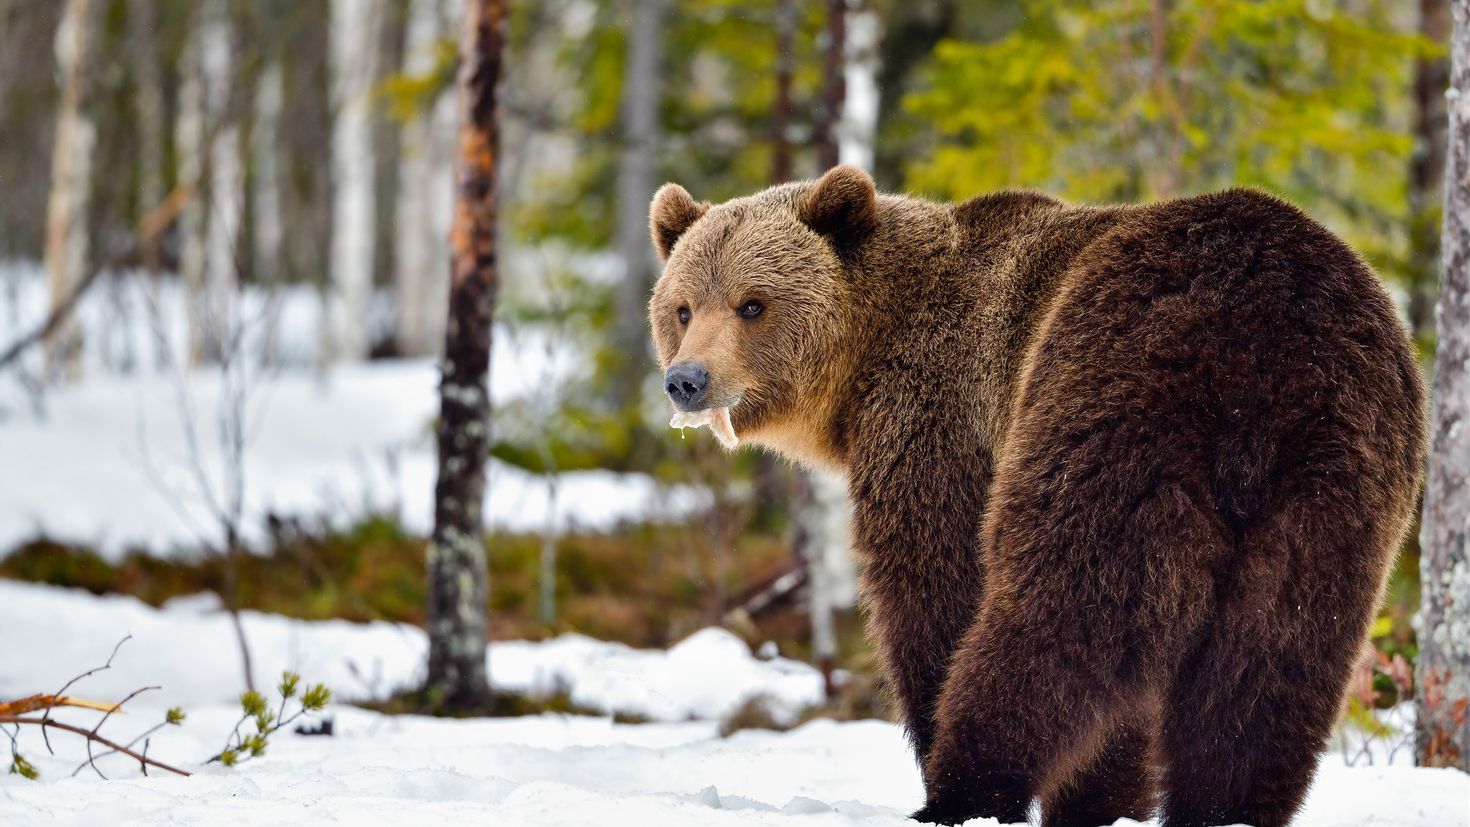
[410, 96]
[1099, 102]
[22, 767]
[242, 745]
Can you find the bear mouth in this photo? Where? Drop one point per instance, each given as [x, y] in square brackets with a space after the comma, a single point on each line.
[718, 420]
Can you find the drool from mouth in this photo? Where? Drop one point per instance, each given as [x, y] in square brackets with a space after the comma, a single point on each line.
[718, 420]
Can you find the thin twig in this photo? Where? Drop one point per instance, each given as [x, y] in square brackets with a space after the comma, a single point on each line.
[92, 736]
[90, 759]
[46, 716]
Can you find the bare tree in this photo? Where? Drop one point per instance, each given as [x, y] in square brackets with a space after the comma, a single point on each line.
[425, 193]
[782, 169]
[190, 143]
[148, 108]
[640, 104]
[1426, 169]
[265, 149]
[226, 176]
[66, 222]
[355, 25]
[457, 572]
[1443, 720]
[834, 85]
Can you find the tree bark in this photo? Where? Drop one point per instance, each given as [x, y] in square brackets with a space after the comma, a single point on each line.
[425, 166]
[1426, 169]
[457, 570]
[190, 135]
[640, 104]
[148, 108]
[354, 39]
[834, 85]
[782, 169]
[226, 179]
[1442, 736]
[66, 211]
[265, 149]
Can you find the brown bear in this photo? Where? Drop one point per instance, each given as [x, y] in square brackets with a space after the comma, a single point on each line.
[1128, 480]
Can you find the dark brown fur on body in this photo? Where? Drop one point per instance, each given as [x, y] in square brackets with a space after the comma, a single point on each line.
[1127, 480]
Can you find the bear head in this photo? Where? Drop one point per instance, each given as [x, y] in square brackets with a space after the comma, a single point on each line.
[753, 313]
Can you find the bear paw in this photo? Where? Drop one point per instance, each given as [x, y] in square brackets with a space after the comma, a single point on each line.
[939, 812]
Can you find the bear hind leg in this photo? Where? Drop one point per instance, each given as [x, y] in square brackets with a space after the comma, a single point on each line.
[1118, 782]
[1253, 707]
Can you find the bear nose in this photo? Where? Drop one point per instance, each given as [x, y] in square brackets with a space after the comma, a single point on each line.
[686, 383]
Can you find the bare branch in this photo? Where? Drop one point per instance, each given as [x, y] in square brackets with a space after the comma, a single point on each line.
[46, 716]
[91, 736]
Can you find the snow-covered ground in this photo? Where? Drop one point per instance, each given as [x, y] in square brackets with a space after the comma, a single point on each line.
[108, 461]
[547, 769]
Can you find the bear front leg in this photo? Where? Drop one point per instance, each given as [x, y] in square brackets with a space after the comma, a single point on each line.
[917, 622]
[916, 526]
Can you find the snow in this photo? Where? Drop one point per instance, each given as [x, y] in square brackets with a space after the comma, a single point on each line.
[106, 461]
[546, 769]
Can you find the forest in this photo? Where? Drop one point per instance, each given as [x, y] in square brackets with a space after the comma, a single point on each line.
[337, 473]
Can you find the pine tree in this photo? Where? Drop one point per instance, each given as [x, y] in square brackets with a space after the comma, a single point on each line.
[457, 572]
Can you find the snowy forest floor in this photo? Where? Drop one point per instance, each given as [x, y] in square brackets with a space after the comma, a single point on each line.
[545, 769]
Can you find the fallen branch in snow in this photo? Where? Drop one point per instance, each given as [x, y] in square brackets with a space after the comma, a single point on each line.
[31, 703]
[91, 735]
[13, 712]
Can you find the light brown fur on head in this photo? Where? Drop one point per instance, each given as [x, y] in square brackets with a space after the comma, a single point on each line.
[782, 248]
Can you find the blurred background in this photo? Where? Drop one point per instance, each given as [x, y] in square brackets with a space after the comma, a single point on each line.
[244, 203]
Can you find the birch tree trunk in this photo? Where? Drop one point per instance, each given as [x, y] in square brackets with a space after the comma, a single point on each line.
[226, 179]
[354, 39]
[1442, 736]
[457, 572]
[425, 195]
[265, 149]
[1426, 169]
[189, 143]
[640, 104]
[71, 169]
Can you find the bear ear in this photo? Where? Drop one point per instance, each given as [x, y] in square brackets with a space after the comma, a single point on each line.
[842, 205]
[673, 211]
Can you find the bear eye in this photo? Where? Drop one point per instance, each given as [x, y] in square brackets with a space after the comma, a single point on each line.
[751, 309]
[684, 315]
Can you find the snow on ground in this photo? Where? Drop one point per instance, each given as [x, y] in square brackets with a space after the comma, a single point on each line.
[107, 461]
[545, 769]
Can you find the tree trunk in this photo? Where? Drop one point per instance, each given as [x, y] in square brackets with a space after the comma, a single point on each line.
[782, 168]
[226, 179]
[1426, 169]
[457, 572]
[354, 39]
[265, 149]
[189, 141]
[858, 136]
[71, 161]
[425, 167]
[1442, 736]
[834, 86]
[640, 104]
[148, 108]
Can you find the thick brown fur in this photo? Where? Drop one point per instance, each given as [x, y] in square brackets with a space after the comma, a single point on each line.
[1128, 480]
